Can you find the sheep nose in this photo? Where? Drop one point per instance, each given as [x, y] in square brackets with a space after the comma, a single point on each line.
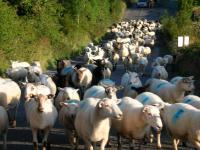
[73, 116]
[40, 109]
[159, 128]
[119, 116]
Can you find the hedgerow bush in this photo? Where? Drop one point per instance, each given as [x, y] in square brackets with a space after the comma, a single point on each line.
[46, 30]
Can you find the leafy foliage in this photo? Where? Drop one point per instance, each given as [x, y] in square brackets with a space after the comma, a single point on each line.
[48, 29]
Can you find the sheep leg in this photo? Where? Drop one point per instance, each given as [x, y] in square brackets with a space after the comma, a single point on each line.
[5, 141]
[131, 144]
[103, 143]
[88, 145]
[119, 141]
[175, 144]
[44, 141]
[35, 141]
[158, 140]
[197, 145]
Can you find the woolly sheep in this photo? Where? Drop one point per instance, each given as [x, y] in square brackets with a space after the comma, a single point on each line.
[137, 119]
[174, 80]
[64, 94]
[159, 72]
[41, 115]
[92, 121]
[3, 126]
[148, 98]
[16, 64]
[170, 92]
[192, 100]
[82, 78]
[31, 89]
[10, 94]
[101, 92]
[182, 122]
[131, 78]
[67, 116]
[46, 80]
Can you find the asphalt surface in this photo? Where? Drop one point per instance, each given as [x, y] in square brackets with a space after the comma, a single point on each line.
[20, 138]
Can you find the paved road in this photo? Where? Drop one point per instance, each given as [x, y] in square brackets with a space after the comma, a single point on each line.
[144, 13]
[20, 138]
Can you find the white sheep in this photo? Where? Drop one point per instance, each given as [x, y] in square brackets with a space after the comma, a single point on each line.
[16, 64]
[170, 92]
[192, 100]
[159, 72]
[82, 78]
[101, 92]
[142, 62]
[115, 59]
[41, 115]
[137, 119]
[92, 121]
[67, 116]
[128, 63]
[64, 94]
[3, 126]
[31, 89]
[168, 59]
[106, 82]
[174, 80]
[10, 94]
[148, 98]
[46, 80]
[182, 122]
[131, 78]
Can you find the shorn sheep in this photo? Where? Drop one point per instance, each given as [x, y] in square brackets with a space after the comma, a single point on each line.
[41, 115]
[92, 121]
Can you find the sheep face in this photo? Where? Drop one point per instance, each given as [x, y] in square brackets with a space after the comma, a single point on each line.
[71, 108]
[69, 93]
[187, 84]
[41, 99]
[133, 78]
[111, 92]
[152, 116]
[29, 91]
[109, 108]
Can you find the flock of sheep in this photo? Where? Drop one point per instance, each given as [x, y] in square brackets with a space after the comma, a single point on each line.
[85, 101]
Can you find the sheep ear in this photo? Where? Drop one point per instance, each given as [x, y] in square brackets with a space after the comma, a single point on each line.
[60, 89]
[50, 96]
[101, 104]
[145, 109]
[118, 101]
[119, 87]
[159, 105]
[190, 77]
[76, 90]
[64, 104]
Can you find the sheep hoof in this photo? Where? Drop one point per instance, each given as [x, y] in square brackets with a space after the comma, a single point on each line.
[13, 124]
[44, 145]
[159, 146]
[35, 146]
